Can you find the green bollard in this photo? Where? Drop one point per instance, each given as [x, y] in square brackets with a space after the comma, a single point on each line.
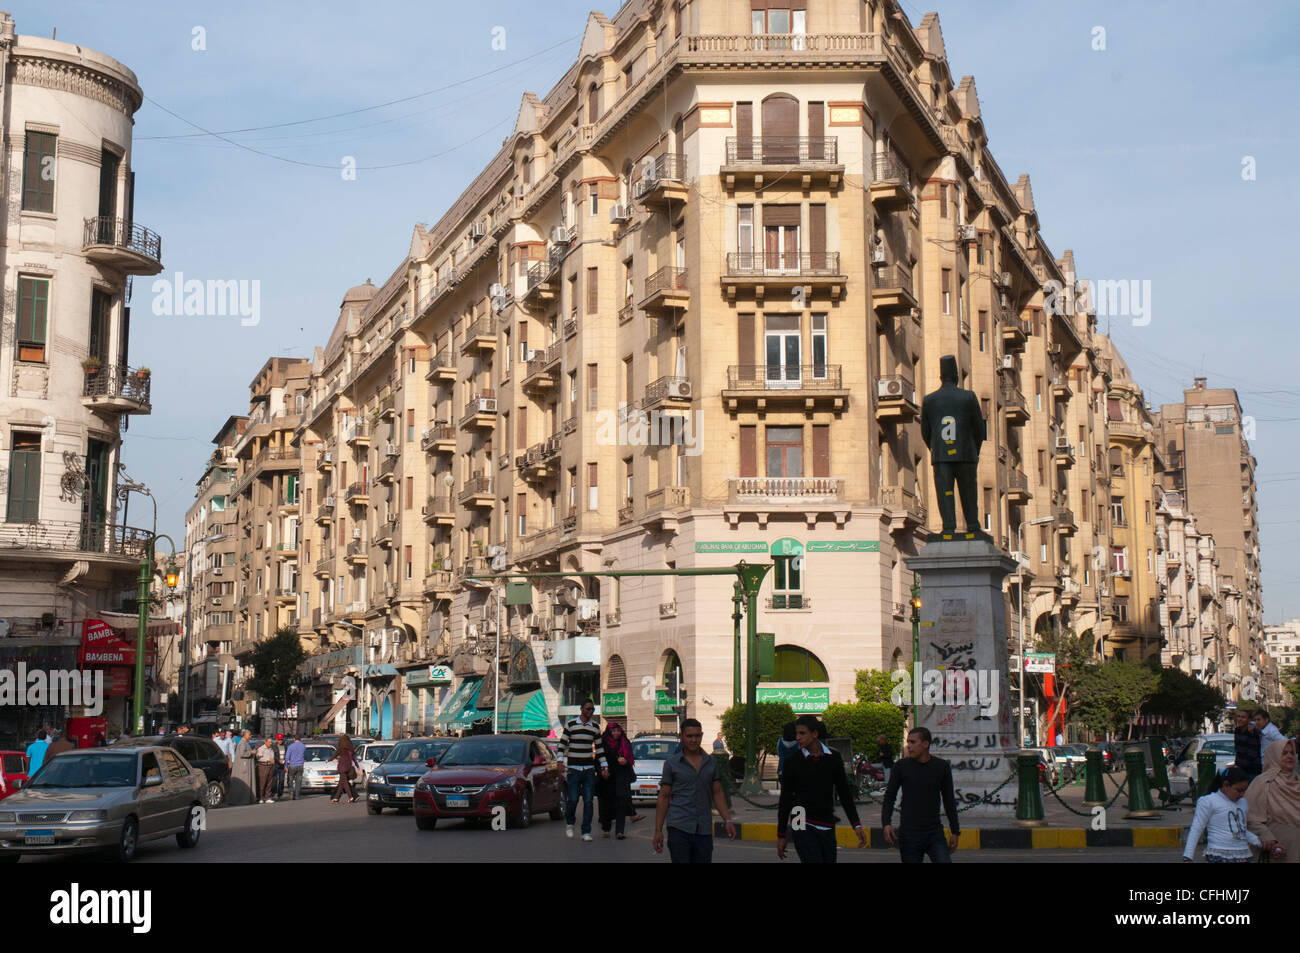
[1094, 792]
[724, 776]
[1139, 792]
[1029, 805]
[1206, 768]
[1159, 768]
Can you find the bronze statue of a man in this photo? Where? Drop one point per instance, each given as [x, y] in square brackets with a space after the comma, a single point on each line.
[953, 427]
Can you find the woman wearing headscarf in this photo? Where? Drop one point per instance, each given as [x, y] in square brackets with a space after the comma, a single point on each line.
[242, 772]
[1274, 799]
[348, 768]
[615, 792]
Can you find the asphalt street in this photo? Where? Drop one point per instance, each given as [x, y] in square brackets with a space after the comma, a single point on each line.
[314, 830]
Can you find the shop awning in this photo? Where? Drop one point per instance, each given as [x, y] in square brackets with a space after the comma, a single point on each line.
[462, 710]
[525, 711]
[328, 717]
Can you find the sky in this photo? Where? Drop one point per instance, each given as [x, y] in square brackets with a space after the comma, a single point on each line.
[1159, 138]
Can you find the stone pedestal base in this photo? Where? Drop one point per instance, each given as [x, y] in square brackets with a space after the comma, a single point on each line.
[962, 691]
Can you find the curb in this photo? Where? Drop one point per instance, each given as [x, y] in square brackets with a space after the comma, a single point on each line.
[1008, 838]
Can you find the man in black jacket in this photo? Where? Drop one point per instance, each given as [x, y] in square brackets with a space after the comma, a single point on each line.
[1246, 745]
[813, 775]
[952, 426]
[924, 781]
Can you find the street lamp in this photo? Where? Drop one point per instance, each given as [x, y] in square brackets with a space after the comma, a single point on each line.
[126, 487]
[1020, 612]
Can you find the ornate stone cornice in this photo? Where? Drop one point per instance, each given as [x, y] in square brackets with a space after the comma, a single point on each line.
[50, 73]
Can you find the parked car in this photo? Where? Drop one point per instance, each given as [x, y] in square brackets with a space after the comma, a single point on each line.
[1052, 769]
[1184, 775]
[479, 774]
[1073, 755]
[371, 753]
[108, 799]
[201, 753]
[320, 768]
[649, 753]
[13, 764]
[392, 782]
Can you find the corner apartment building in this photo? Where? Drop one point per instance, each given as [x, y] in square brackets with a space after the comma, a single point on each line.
[69, 244]
[1212, 467]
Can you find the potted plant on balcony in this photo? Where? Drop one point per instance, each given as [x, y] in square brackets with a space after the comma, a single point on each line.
[143, 374]
[91, 365]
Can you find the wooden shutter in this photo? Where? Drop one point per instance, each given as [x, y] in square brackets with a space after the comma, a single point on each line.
[748, 450]
[787, 215]
[745, 341]
[816, 131]
[25, 479]
[592, 376]
[593, 286]
[817, 236]
[821, 434]
[744, 131]
[522, 425]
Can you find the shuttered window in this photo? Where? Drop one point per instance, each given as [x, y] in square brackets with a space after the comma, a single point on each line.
[745, 341]
[593, 373]
[38, 171]
[816, 131]
[817, 236]
[593, 290]
[33, 309]
[821, 434]
[744, 132]
[748, 450]
[521, 438]
[24, 478]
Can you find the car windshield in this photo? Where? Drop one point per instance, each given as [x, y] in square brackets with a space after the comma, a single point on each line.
[651, 749]
[1220, 747]
[377, 753]
[318, 753]
[88, 771]
[495, 751]
[416, 752]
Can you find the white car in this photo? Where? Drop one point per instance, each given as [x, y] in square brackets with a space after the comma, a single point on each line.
[320, 768]
[648, 755]
[1183, 777]
[372, 753]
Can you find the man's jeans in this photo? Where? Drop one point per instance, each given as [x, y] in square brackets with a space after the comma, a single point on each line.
[915, 846]
[581, 781]
[814, 846]
[687, 848]
[294, 780]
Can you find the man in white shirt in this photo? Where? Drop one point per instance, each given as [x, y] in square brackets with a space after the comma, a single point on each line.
[1268, 732]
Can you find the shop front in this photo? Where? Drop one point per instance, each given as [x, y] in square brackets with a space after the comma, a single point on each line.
[463, 712]
[108, 645]
[430, 688]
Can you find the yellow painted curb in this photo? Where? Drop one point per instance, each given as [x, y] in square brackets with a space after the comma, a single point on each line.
[968, 839]
[1156, 836]
[751, 830]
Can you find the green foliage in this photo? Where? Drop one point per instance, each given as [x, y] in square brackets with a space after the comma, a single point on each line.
[1285, 717]
[864, 722]
[1290, 678]
[1111, 694]
[275, 668]
[772, 717]
[873, 685]
[1185, 700]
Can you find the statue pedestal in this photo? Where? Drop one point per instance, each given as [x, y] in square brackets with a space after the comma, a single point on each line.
[962, 692]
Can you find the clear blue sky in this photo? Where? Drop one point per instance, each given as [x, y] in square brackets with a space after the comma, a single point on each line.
[1135, 154]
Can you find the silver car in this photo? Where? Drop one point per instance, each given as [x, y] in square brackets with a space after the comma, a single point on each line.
[105, 799]
[649, 753]
[1183, 777]
[320, 768]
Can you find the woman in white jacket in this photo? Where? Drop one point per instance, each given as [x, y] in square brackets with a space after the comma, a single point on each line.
[1222, 816]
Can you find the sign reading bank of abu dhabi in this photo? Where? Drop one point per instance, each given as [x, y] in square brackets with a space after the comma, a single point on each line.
[787, 547]
[804, 700]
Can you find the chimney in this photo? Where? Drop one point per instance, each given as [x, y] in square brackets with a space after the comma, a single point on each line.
[1198, 383]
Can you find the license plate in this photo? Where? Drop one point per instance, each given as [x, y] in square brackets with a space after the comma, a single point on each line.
[404, 790]
[38, 838]
[458, 802]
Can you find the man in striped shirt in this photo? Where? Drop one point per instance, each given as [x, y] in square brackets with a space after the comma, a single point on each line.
[583, 752]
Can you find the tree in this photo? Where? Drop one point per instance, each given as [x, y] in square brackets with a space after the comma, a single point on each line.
[1111, 695]
[873, 685]
[275, 668]
[1290, 678]
[1073, 655]
[864, 722]
[772, 718]
[1185, 700]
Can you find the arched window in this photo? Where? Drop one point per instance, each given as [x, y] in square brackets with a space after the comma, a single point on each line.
[593, 103]
[616, 676]
[672, 664]
[794, 664]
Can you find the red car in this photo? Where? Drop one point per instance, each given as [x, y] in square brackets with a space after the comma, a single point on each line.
[478, 776]
[13, 764]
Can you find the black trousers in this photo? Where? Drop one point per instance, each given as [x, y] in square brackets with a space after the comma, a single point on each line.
[963, 474]
[814, 846]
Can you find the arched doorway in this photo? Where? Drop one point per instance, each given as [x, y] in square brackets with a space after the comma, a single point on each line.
[780, 136]
[386, 718]
[800, 679]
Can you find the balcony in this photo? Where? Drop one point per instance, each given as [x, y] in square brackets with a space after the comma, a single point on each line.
[570, 522]
[358, 494]
[1014, 407]
[384, 534]
[438, 584]
[1015, 331]
[387, 468]
[1018, 486]
[1174, 601]
[891, 289]
[357, 434]
[286, 551]
[121, 244]
[786, 490]
[325, 512]
[285, 597]
[543, 281]
[663, 507]
[541, 373]
[662, 182]
[1061, 389]
[891, 187]
[325, 458]
[668, 610]
[780, 601]
[356, 611]
[481, 336]
[57, 539]
[540, 540]
[909, 510]
[388, 407]
[896, 400]
[358, 553]
[440, 438]
[480, 412]
[782, 271]
[439, 511]
[324, 569]
[626, 512]
[813, 160]
[666, 290]
[442, 367]
[812, 385]
[541, 461]
[1173, 559]
[669, 392]
[117, 390]
[1065, 524]
[570, 326]
[477, 492]
[1063, 455]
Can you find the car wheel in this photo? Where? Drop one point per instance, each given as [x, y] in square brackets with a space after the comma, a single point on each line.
[525, 815]
[190, 836]
[129, 840]
[425, 823]
[556, 813]
[214, 796]
[374, 808]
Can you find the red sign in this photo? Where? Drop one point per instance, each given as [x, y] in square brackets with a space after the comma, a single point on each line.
[101, 644]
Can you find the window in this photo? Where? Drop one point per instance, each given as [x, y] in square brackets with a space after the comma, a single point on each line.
[628, 291]
[38, 172]
[983, 330]
[593, 290]
[783, 28]
[629, 483]
[1119, 559]
[593, 498]
[1038, 392]
[946, 288]
[787, 582]
[784, 451]
[943, 205]
[794, 664]
[33, 309]
[819, 346]
[745, 235]
[410, 425]
[410, 492]
[782, 350]
[593, 199]
[781, 239]
[573, 393]
[24, 478]
[573, 489]
[1117, 512]
[520, 510]
[592, 377]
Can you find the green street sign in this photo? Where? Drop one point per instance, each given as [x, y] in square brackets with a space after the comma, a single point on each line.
[766, 654]
[804, 701]
[519, 594]
[844, 546]
[613, 703]
[665, 704]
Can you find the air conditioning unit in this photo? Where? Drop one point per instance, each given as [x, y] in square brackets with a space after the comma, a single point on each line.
[356, 532]
[642, 187]
[1004, 279]
[619, 214]
[679, 389]
[327, 456]
[1008, 362]
[328, 501]
[1002, 298]
[487, 405]
[390, 590]
[497, 291]
[392, 450]
[1063, 444]
[561, 235]
[218, 570]
[477, 231]
[485, 614]
[536, 621]
[588, 609]
[966, 233]
[890, 388]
